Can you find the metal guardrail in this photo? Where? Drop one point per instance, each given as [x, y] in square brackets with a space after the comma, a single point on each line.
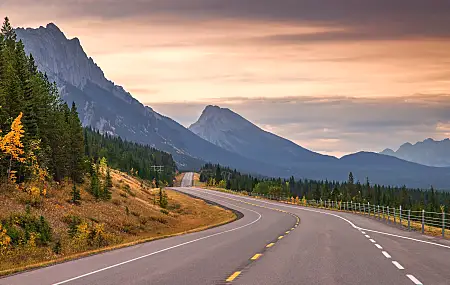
[426, 222]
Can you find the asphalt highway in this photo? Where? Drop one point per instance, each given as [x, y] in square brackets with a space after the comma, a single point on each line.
[268, 245]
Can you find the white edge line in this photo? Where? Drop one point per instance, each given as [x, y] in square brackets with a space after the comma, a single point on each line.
[342, 218]
[162, 250]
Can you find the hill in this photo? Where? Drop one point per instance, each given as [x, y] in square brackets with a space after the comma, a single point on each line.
[134, 214]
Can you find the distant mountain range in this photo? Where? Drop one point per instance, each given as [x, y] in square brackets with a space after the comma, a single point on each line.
[219, 136]
[231, 131]
[110, 109]
[428, 152]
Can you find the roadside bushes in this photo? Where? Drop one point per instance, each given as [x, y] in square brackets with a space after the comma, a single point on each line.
[24, 229]
[85, 234]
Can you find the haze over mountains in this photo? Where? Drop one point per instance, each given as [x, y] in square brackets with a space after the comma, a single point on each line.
[110, 109]
[427, 152]
[231, 131]
[219, 136]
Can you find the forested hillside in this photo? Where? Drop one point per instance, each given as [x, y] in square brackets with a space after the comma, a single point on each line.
[50, 165]
[130, 157]
[414, 199]
[43, 137]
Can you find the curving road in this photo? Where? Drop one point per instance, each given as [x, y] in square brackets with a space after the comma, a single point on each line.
[265, 246]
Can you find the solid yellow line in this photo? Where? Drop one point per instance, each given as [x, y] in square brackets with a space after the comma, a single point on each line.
[280, 237]
[233, 276]
[256, 256]
[270, 244]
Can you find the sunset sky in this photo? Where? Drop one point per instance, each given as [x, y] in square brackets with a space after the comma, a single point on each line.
[335, 76]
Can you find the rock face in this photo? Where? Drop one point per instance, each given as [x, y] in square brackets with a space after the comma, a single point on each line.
[428, 152]
[226, 137]
[110, 109]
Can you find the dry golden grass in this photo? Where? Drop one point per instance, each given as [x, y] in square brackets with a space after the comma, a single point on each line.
[178, 179]
[145, 220]
[196, 181]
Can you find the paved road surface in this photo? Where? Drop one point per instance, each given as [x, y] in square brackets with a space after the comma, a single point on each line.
[325, 248]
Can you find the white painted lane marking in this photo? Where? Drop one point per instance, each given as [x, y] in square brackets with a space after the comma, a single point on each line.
[367, 236]
[372, 241]
[342, 218]
[398, 265]
[379, 246]
[414, 279]
[165, 249]
[386, 254]
[363, 232]
[408, 238]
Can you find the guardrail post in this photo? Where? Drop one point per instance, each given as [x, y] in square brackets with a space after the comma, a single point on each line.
[394, 216]
[388, 218]
[400, 217]
[423, 221]
[379, 213]
[384, 216]
[351, 206]
[368, 208]
[409, 220]
[443, 224]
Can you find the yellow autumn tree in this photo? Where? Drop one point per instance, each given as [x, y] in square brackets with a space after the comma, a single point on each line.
[12, 146]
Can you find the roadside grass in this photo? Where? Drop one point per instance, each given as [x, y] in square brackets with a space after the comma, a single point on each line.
[196, 181]
[132, 216]
[178, 179]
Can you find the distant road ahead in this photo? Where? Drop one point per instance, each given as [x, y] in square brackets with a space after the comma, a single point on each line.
[264, 247]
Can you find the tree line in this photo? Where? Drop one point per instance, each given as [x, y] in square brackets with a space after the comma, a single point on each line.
[350, 190]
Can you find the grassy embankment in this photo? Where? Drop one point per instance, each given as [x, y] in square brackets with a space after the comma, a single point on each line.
[132, 216]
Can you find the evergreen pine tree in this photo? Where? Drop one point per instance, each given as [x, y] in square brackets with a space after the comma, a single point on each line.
[76, 196]
[107, 185]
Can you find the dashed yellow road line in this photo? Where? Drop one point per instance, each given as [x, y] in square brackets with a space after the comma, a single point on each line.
[256, 256]
[280, 237]
[287, 232]
[270, 245]
[233, 276]
[292, 229]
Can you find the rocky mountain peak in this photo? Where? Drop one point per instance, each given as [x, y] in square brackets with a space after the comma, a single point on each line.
[215, 117]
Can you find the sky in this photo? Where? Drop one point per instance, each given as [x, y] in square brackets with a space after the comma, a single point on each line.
[334, 76]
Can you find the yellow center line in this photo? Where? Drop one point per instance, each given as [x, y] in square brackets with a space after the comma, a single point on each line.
[280, 237]
[256, 256]
[292, 229]
[288, 232]
[270, 244]
[233, 276]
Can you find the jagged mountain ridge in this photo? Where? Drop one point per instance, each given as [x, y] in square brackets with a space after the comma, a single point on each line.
[231, 131]
[110, 109]
[428, 152]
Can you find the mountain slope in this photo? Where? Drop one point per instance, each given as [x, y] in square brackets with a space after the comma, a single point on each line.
[234, 133]
[230, 131]
[428, 152]
[110, 109]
